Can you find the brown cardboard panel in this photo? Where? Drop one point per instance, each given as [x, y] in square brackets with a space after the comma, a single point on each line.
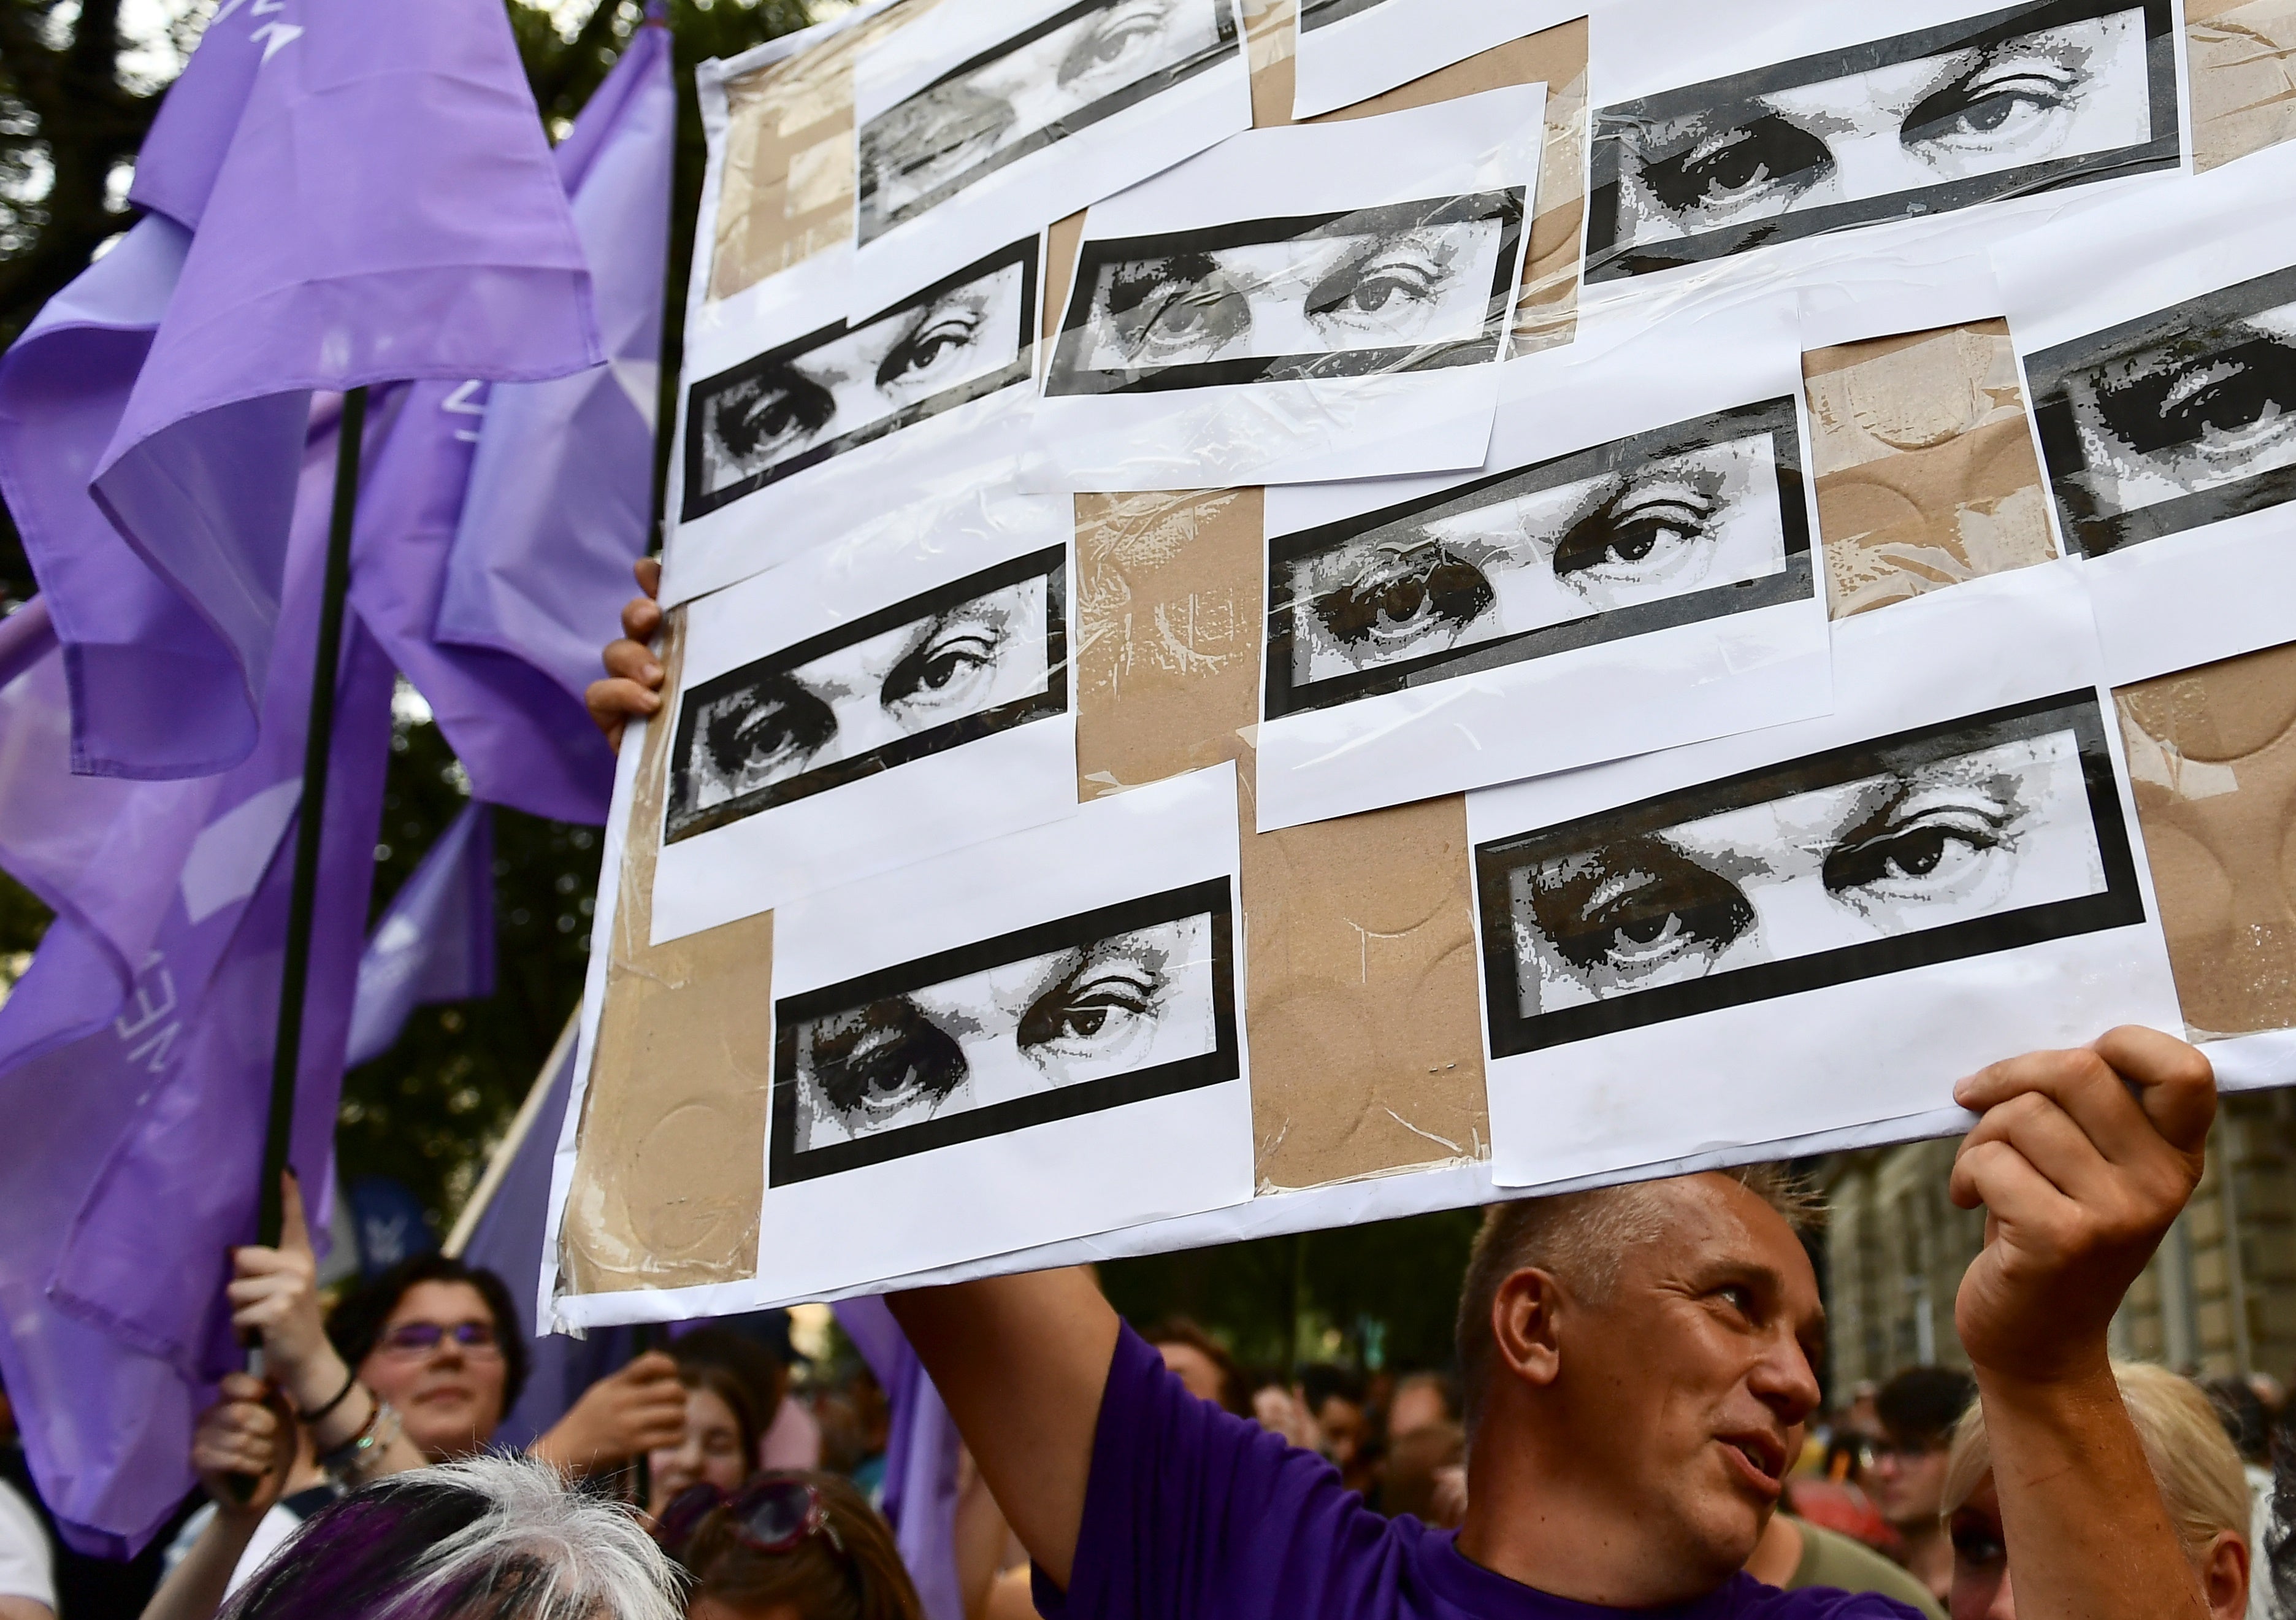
[1359, 957]
[787, 191]
[1271, 29]
[1063, 239]
[2212, 755]
[2243, 75]
[670, 1163]
[1924, 463]
[1366, 1053]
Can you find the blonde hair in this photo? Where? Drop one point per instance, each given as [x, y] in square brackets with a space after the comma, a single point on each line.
[2192, 1457]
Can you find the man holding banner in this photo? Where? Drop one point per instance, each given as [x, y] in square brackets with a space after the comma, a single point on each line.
[1635, 1359]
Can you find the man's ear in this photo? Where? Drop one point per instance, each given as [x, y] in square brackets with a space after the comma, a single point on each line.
[1525, 1323]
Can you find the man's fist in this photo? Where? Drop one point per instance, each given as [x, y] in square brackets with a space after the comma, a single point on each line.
[2081, 1159]
[247, 1438]
[632, 688]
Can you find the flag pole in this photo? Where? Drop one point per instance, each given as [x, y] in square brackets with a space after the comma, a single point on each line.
[311, 814]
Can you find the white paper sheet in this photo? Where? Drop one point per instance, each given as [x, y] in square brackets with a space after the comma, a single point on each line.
[1091, 1094]
[984, 121]
[1351, 50]
[2159, 345]
[1739, 141]
[794, 427]
[1633, 569]
[900, 693]
[1313, 302]
[1825, 922]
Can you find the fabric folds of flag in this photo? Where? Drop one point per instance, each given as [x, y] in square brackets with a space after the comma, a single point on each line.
[339, 195]
[920, 1456]
[436, 941]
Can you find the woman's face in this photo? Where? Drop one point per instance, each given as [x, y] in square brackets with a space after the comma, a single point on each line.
[1326, 294]
[449, 1394]
[711, 1454]
[1982, 1589]
[2189, 414]
[1671, 526]
[965, 660]
[2072, 91]
[1132, 1001]
[945, 136]
[857, 379]
[1995, 830]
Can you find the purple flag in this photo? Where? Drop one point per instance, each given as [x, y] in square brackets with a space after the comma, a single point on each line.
[436, 943]
[368, 198]
[150, 1080]
[920, 1456]
[498, 526]
[561, 489]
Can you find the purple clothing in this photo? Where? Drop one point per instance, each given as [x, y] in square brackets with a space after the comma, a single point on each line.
[1190, 1511]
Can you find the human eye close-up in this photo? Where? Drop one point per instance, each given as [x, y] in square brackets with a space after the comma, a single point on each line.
[1103, 1013]
[2009, 102]
[766, 733]
[1653, 536]
[1389, 291]
[760, 420]
[1406, 599]
[2217, 407]
[1118, 44]
[950, 665]
[933, 348]
[1637, 914]
[1751, 167]
[878, 1060]
[1177, 310]
[1949, 842]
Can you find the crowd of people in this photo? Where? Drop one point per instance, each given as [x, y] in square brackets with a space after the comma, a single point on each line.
[1634, 1422]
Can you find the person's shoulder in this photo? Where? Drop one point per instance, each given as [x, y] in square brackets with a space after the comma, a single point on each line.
[1831, 1559]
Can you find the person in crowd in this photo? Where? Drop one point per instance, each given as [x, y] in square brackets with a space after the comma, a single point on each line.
[28, 1577]
[1634, 1360]
[1201, 1365]
[722, 1431]
[2248, 1423]
[788, 1547]
[762, 1375]
[1795, 1552]
[1277, 1408]
[487, 1538]
[2190, 1460]
[1426, 1475]
[1334, 1398]
[1905, 1475]
[1421, 1400]
[419, 1364]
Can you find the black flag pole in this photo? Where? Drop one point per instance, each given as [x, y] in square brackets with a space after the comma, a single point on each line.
[310, 817]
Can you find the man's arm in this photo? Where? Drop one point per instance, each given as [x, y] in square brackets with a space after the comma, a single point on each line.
[1023, 1362]
[2081, 1159]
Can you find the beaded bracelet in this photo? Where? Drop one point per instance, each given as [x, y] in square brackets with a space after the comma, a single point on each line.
[348, 1464]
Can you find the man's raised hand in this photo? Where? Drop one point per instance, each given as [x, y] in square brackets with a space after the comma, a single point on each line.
[632, 686]
[2082, 1159]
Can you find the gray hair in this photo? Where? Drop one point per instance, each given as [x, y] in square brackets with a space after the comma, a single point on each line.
[490, 1538]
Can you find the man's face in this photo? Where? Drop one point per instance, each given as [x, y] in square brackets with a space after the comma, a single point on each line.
[1906, 1480]
[1688, 1384]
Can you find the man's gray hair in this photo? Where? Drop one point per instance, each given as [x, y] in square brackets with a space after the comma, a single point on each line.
[1582, 1239]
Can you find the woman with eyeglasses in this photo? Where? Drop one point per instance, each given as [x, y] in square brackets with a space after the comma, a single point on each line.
[787, 1546]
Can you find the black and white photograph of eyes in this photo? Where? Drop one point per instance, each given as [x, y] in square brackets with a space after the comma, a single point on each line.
[1646, 531]
[1112, 1006]
[797, 404]
[1406, 286]
[1068, 71]
[963, 661]
[1990, 832]
[2002, 105]
[2183, 417]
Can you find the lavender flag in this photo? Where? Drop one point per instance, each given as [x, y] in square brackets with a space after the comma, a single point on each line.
[367, 197]
[437, 941]
[920, 1456]
[560, 492]
[499, 525]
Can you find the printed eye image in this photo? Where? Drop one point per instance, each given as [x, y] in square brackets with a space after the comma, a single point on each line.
[2039, 94]
[1949, 843]
[795, 405]
[1390, 288]
[957, 664]
[1677, 517]
[1116, 1005]
[1081, 66]
[2178, 419]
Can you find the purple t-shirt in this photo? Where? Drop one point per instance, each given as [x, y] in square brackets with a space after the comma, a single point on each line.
[1195, 1513]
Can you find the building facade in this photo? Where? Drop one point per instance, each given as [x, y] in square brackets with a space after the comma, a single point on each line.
[2219, 1298]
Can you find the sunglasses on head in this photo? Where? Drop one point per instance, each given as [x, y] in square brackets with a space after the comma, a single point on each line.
[774, 1514]
[420, 1338]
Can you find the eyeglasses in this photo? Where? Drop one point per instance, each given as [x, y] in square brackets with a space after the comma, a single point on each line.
[420, 1339]
[771, 1515]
